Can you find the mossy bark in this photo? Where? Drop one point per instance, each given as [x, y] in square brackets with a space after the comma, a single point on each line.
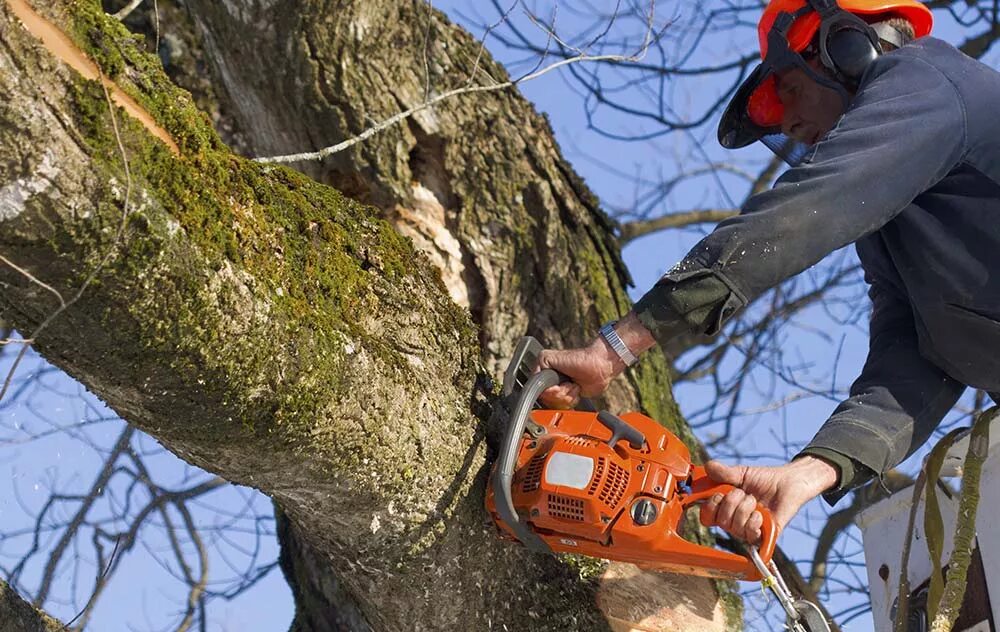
[274, 331]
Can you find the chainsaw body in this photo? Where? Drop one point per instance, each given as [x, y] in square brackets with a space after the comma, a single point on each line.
[605, 486]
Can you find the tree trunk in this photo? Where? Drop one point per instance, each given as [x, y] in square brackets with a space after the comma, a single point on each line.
[268, 329]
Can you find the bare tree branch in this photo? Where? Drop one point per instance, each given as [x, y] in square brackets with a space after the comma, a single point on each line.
[631, 231]
[127, 9]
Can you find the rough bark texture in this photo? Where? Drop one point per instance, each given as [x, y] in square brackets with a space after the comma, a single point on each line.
[17, 615]
[270, 330]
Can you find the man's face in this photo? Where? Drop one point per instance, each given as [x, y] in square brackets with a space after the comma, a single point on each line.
[811, 109]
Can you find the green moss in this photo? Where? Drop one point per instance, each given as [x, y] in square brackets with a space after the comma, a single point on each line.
[651, 379]
[732, 604]
[275, 222]
[122, 57]
[316, 256]
[598, 282]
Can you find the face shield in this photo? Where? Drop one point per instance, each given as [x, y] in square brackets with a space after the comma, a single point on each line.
[755, 112]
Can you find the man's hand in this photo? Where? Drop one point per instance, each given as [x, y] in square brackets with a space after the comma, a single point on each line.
[782, 489]
[592, 367]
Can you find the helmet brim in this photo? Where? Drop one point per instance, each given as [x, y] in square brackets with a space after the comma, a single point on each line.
[738, 127]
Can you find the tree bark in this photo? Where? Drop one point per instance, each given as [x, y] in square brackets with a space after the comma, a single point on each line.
[268, 329]
[17, 615]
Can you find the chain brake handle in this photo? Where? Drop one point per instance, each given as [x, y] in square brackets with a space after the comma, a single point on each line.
[703, 488]
[522, 366]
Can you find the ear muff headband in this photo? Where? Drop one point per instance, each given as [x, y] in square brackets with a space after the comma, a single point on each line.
[847, 44]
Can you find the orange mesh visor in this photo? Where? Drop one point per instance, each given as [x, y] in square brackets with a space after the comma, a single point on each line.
[764, 106]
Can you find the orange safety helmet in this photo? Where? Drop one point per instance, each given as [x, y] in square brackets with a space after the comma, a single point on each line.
[791, 26]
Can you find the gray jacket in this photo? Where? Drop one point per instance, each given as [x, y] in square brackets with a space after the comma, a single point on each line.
[911, 175]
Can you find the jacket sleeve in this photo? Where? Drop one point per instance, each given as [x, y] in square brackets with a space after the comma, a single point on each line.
[895, 404]
[905, 130]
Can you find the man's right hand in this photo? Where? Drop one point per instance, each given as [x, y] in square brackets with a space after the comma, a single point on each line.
[591, 368]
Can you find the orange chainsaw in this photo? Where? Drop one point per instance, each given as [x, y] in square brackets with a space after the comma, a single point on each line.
[601, 485]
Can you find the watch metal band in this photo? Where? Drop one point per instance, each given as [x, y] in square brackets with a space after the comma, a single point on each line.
[615, 342]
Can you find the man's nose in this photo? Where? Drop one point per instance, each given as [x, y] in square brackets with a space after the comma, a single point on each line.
[791, 124]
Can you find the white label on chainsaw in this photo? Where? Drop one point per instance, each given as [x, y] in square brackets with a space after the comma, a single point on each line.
[571, 470]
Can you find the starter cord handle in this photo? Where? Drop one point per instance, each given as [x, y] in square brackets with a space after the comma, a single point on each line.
[621, 429]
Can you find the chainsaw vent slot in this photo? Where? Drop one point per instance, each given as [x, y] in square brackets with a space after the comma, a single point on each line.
[602, 464]
[615, 484]
[566, 508]
[581, 441]
[533, 474]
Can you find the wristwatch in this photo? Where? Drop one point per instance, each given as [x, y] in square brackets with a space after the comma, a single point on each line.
[615, 342]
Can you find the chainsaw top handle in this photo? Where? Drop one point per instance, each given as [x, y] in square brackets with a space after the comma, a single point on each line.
[703, 488]
[503, 473]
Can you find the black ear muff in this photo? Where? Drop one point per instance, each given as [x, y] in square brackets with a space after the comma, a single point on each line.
[851, 52]
[847, 44]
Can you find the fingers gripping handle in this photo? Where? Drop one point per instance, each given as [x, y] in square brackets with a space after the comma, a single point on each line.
[522, 366]
[703, 488]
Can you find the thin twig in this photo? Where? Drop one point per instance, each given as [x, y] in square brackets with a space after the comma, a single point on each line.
[128, 9]
[197, 585]
[35, 280]
[156, 28]
[16, 341]
[101, 577]
[468, 89]
[965, 532]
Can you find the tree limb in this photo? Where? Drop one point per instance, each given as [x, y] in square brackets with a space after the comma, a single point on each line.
[631, 231]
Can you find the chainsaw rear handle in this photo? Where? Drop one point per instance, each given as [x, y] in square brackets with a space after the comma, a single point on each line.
[503, 474]
[703, 488]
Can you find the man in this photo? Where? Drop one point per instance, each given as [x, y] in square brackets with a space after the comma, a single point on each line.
[900, 154]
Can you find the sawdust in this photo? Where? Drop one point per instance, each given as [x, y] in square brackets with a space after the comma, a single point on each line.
[634, 600]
